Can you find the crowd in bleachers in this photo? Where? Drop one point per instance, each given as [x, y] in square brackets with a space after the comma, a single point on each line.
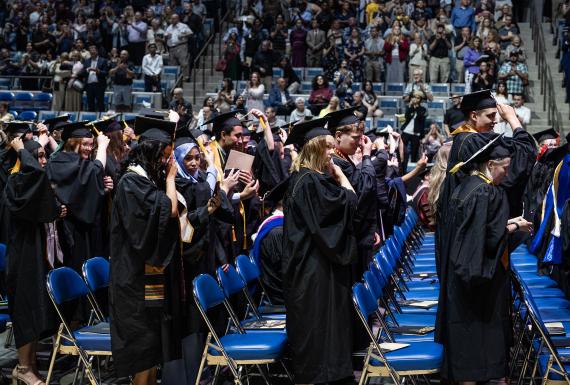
[57, 48]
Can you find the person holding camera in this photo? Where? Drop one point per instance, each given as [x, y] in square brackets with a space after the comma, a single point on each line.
[413, 128]
[439, 64]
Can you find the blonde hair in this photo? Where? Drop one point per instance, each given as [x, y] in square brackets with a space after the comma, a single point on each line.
[312, 156]
[437, 175]
[72, 144]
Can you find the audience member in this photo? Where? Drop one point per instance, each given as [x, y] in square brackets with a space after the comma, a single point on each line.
[152, 69]
[515, 74]
[280, 99]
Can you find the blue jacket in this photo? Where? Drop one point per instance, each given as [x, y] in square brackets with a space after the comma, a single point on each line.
[275, 97]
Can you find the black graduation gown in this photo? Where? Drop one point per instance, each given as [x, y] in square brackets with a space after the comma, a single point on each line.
[79, 186]
[7, 160]
[473, 320]
[363, 180]
[319, 246]
[142, 232]
[268, 167]
[31, 203]
[271, 257]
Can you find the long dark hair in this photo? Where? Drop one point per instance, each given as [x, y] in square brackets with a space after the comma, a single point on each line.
[325, 82]
[148, 154]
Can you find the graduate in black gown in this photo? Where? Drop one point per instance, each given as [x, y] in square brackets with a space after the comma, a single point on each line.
[144, 241]
[79, 185]
[200, 212]
[33, 207]
[320, 246]
[474, 321]
[268, 165]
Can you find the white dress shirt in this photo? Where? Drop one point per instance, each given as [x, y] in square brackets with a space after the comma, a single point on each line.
[176, 32]
[152, 65]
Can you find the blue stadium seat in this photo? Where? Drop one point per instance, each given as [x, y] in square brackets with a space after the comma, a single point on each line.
[23, 100]
[440, 89]
[42, 101]
[385, 121]
[6, 97]
[378, 88]
[138, 85]
[28, 116]
[395, 89]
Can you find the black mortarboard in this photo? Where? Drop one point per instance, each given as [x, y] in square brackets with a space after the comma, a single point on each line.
[184, 135]
[341, 118]
[31, 145]
[129, 122]
[155, 114]
[546, 134]
[108, 125]
[303, 132]
[76, 130]
[57, 122]
[222, 121]
[477, 101]
[154, 129]
[16, 128]
[277, 193]
[480, 147]
[285, 127]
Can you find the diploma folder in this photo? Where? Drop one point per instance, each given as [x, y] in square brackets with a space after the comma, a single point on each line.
[555, 328]
[413, 330]
[419, 304]
[100, 328]
[388, 347]
[265, 324]
[239, 160]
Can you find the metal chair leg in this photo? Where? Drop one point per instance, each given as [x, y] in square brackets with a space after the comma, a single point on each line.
[263, 375]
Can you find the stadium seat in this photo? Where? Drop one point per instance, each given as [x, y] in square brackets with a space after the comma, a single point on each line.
[378, 88]
[28, 116]
[6, 97]
[311, 72]
[42, 101]
[87, 115]
[440, 89]
[395, 89]
[43, 115]
[300, 71]
[386, 121]
[5, 84]
[138, 85]
[23, 100]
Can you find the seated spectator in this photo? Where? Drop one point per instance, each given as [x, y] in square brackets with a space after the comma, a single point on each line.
[453, 115]
[300, 113]
[7, 65]
[361, 109]
[226, 96]
[370, 100]
[152, 69]
[291, 79]
[417, 84]
[516, 45]
[502, 96]
[334, 105]
[178, 99]
[272, 118]
[515, 74]
[484, 80]
[523, 113]
[507, 31]
[122, 76]
[320, 95]
[5, 115]
[207, 111]
[432, 142]
[280, 99]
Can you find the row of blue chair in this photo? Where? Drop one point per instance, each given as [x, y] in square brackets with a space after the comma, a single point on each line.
[27, 100]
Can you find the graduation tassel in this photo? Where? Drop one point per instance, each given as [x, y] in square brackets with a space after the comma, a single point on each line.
[16, 167]
[456, 167]
[234, 238]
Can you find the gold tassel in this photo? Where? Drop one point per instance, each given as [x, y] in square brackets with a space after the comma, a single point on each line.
[456, 167]
[16, 167]
[234, 238]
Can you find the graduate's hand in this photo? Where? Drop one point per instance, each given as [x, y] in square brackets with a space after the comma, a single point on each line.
[525, 225]
[258, 114]
[508, 114]
[245, 177]
[422, 163]
[214, 203]
[249, 190]
[108, 183]
[42, 129]
[283, 135]
[377, 239]
[171, 169]
[231, 181]
[43, 139]
[103, 141]
[209, 156]
[129, 133]
[366, 145]
[17, 144]
[63, 211]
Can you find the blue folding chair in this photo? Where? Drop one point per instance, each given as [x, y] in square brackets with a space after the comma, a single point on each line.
[7, 97]
[440, 89]
[42, 101]
[138, 85]
[28, 116]
[23, 100]
[88, 115]
[43, 115]
[96, 273]
[378, 88]
[395, 89]
[251, 275]
[234, 350]
[64, 285]
[413, 360]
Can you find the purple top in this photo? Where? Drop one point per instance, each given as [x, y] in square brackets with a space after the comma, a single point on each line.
[469, 59]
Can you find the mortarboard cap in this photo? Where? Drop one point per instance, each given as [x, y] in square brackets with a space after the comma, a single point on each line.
[16, 128]
[184, 135]
[277, 193]
[303, 132]
[154, 129]
[107, 125]
[481, 147]
[31, 145]
[546, 134]
[285, 127]
[222, 121]
[477, 101]
[57, 122]
[76, 130]
[341, 118]
[155, 114]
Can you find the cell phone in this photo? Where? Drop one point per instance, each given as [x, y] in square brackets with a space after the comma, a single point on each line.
[216, 189]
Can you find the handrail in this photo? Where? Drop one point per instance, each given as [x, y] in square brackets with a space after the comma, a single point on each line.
[207, 45]
[547, 89]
